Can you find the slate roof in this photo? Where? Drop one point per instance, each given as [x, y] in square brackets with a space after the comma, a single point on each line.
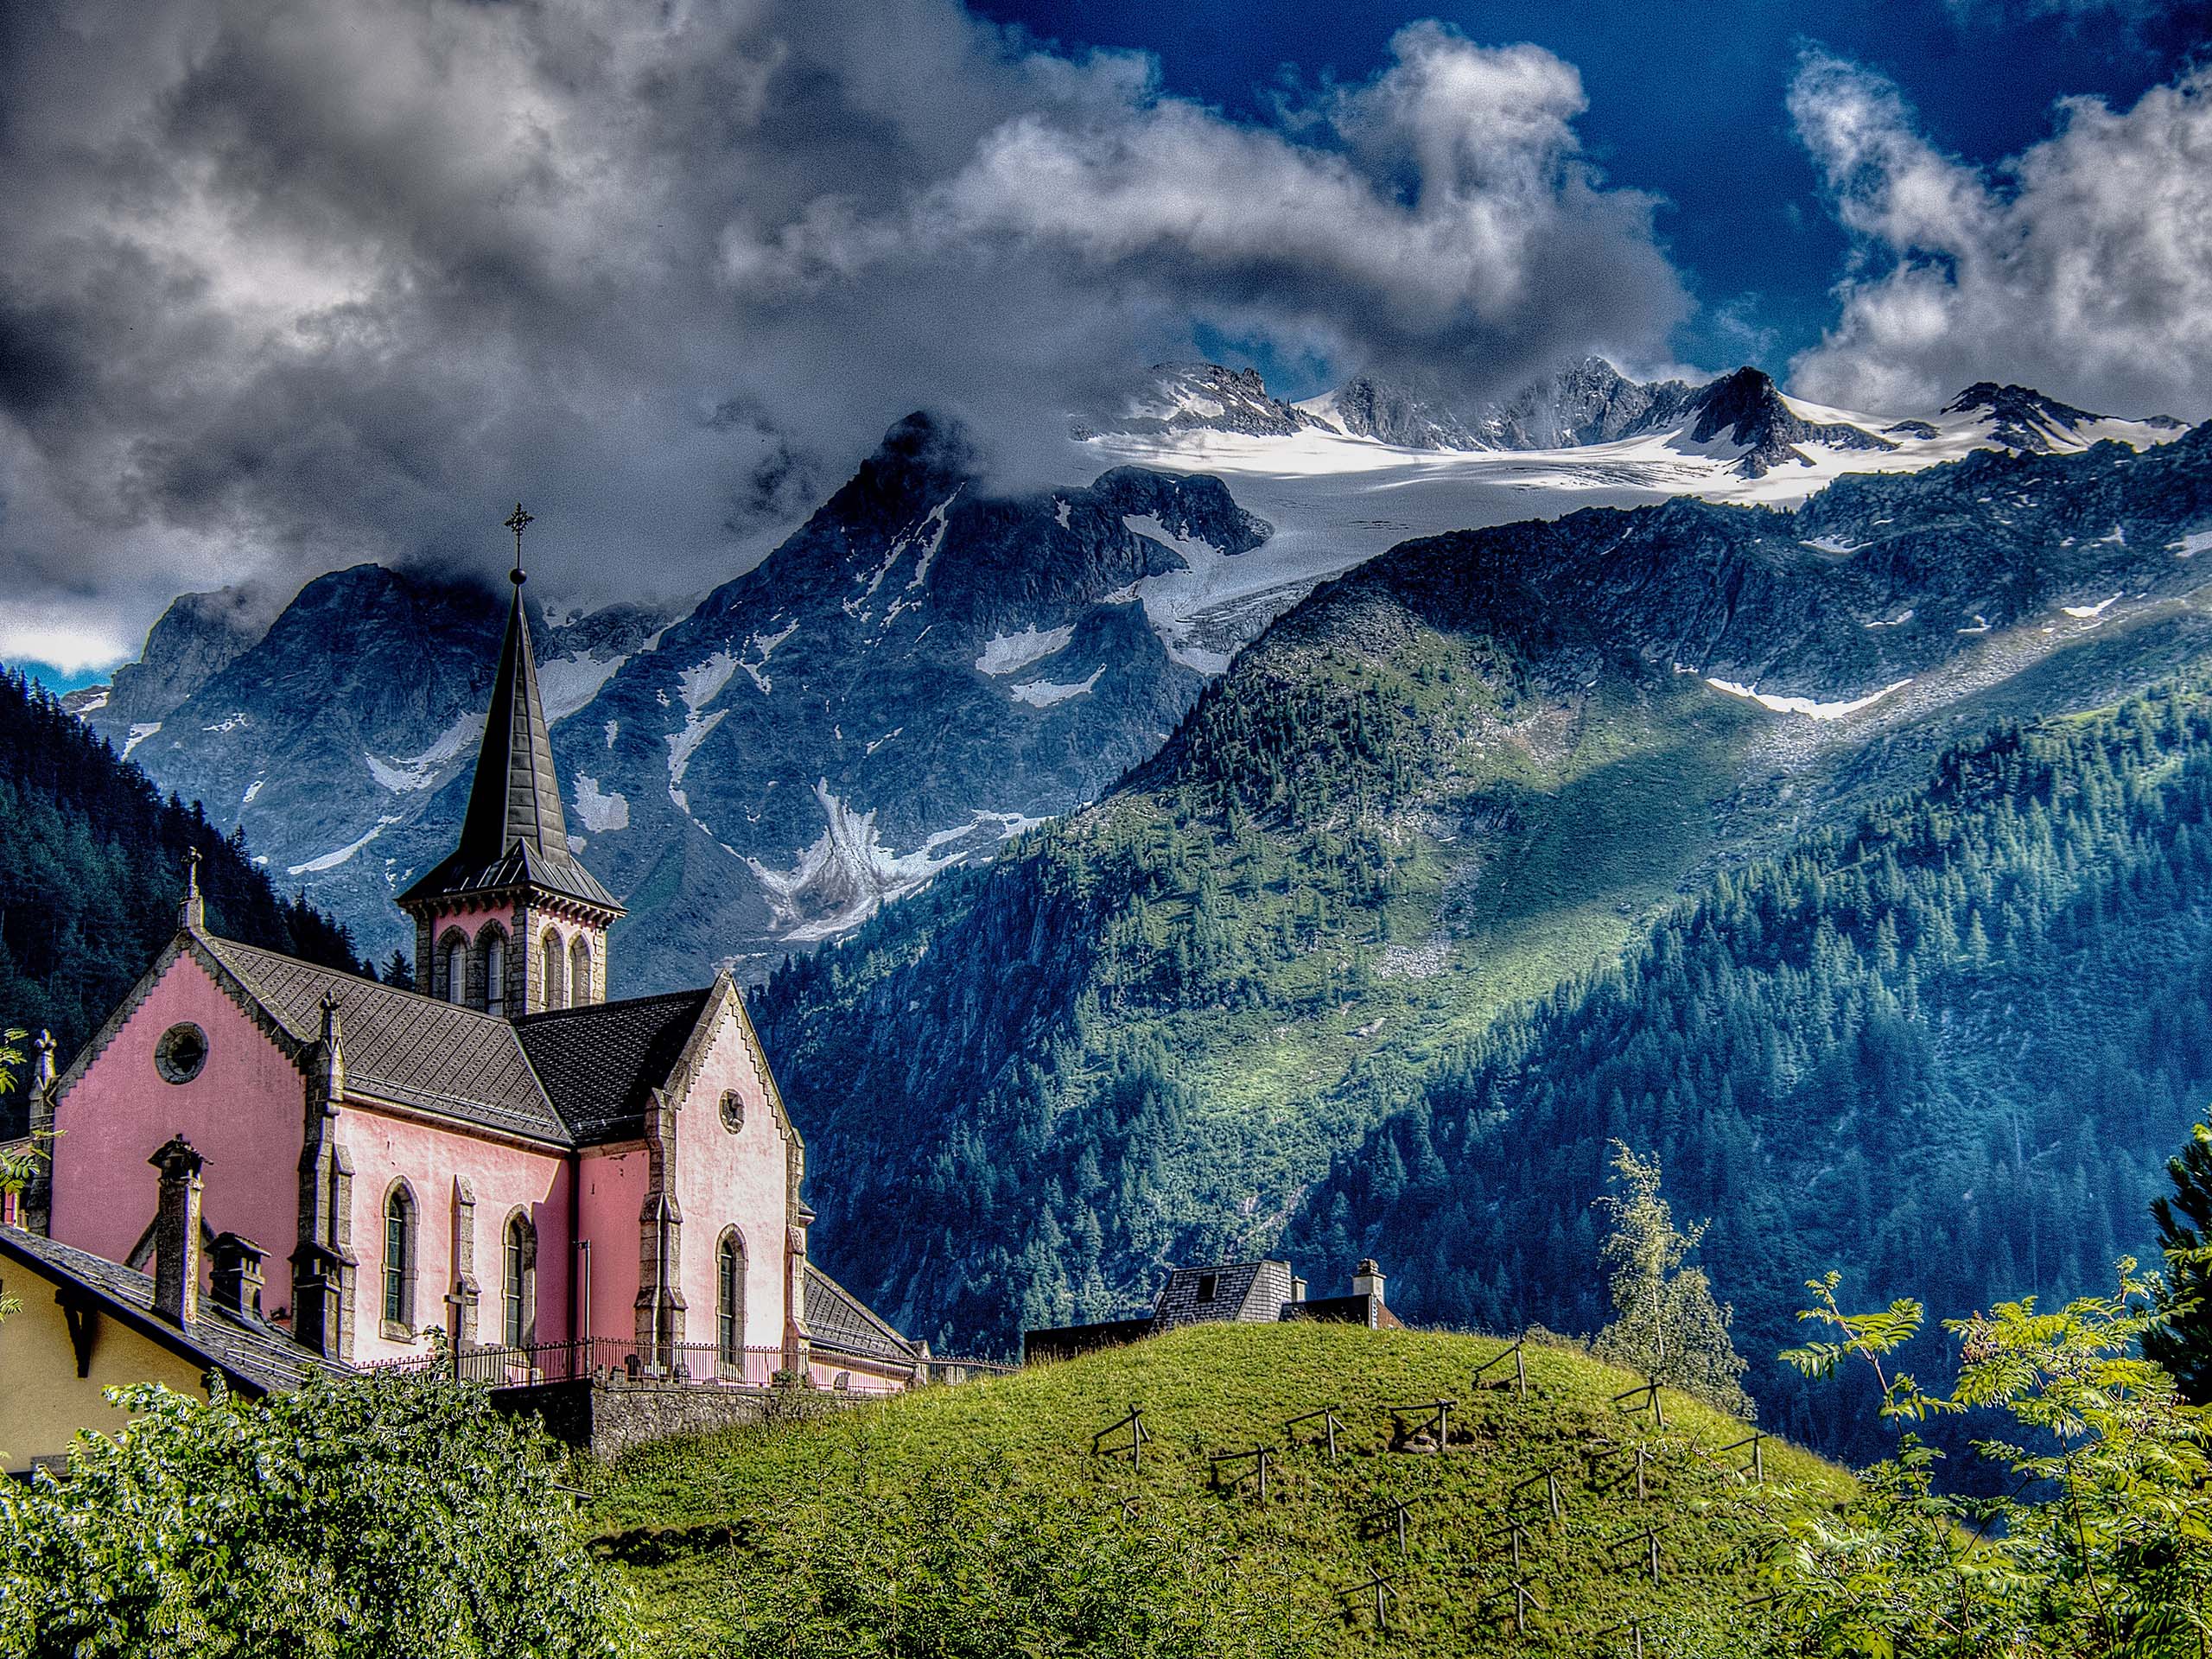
[251, 1355]
[402, 1046]
[1241, 1290]
[841, 1324]
[599, 1064]
[514, 832]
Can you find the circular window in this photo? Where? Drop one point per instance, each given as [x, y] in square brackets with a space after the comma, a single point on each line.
[733, 1111]
[181, 1053]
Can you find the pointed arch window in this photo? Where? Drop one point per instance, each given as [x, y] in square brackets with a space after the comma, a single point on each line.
[729, 1300]
[399, 1257]
[495, 972]
[456, 968]
[580, 971]
[520, 1280]
[551, 962]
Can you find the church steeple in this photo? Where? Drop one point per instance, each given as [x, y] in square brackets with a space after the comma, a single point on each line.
[511, 922]
[516, 796]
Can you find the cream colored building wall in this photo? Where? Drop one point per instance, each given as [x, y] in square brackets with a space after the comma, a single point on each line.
[43, 1402]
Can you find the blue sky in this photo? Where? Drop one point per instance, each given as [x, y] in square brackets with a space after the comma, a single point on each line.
[1687, 99]
[290, 284]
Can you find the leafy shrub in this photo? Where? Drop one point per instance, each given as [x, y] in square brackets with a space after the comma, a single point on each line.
[383, 1516]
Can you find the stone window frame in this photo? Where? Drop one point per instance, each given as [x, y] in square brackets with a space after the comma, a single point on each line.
[176, 1068]
[397, 1303]
[493, 934]
[442, 966]
[518, 1280]
[552, 970]
[729, 1309]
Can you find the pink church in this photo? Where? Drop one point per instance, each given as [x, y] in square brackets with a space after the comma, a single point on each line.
[558, 1182]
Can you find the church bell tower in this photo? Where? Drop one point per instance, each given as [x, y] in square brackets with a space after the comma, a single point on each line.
[510, 922]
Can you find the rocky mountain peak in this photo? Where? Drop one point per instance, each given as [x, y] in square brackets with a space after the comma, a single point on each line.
[1747, 408]
[1175, 397]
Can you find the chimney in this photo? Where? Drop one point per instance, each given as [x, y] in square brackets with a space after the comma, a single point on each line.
[1297, 1289]
[1368, 1280]
[237, 1275]
[176, 1233]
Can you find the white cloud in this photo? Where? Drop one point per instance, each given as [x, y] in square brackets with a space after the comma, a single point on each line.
[286, 286]
[2079, 266]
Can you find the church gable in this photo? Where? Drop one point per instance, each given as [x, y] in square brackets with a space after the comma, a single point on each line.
[188, 1052]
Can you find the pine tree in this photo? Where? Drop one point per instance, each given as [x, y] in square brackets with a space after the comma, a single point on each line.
[1667, 1325]
[396, 973]
[2183, 1342]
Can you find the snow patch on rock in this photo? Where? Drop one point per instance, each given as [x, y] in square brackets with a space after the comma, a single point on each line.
[1003, 653]
[1043, 694]
[332, 860]
[2088, 613]
[416, 771]
[841, 880]
[567, 684]
[139, 733]
[1808, 706]
[600, 811]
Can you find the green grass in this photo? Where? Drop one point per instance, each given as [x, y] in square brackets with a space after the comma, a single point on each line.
[705, 1524]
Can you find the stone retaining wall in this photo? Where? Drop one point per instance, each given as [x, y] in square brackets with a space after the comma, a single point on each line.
[608, 1415]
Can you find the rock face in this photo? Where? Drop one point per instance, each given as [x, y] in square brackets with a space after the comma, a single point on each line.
[920, 672]
[1745, 408]
[196, 639]
[1587, 402]
[340, 739]
[1174, 397]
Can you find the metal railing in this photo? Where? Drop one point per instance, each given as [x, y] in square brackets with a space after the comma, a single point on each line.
[697, 1362]
[566, 1362]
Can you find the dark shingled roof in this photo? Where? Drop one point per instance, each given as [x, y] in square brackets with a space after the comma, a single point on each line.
[599, 1063]
[250, 1355]
[514, 833]
[1241, 1290]
[402, 1046]
[841, 1324]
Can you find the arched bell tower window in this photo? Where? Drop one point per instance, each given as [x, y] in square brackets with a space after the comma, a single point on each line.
[729, 1300]
[520, 1277]
[552, 961]
[495, 970]
[452, 968]
[580, 971]
[399, 1257]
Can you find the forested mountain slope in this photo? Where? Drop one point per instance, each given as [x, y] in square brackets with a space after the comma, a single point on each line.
[1947, 1049]
[92, 867]
[1473, 769]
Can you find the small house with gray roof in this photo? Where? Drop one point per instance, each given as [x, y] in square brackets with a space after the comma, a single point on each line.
[1265, 1292]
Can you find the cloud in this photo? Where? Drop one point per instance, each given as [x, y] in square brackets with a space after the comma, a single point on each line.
[2078, 266]
[292, 284]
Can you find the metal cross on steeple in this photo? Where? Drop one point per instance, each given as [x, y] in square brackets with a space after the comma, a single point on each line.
[516, 521]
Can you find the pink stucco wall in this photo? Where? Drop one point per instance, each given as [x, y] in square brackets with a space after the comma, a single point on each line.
[244, 1113]
[505, 1177]
[611, 1194]
[723, 1180]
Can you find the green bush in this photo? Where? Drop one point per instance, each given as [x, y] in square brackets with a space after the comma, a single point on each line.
[386, 1515]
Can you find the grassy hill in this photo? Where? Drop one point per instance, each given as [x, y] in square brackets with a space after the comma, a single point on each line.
[977, 1520]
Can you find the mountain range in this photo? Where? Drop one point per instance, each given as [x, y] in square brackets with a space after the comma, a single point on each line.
[924, 668]
[1194, 1019]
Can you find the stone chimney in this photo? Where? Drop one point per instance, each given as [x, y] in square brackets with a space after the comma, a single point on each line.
[237, 1275]
[1368, 1280]
[1297, 1289]
[176, 1233]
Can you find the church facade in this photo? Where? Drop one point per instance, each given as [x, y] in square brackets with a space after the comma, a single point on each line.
[550, 1176]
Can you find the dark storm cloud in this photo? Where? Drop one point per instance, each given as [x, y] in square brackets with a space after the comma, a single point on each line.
[286, 285]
